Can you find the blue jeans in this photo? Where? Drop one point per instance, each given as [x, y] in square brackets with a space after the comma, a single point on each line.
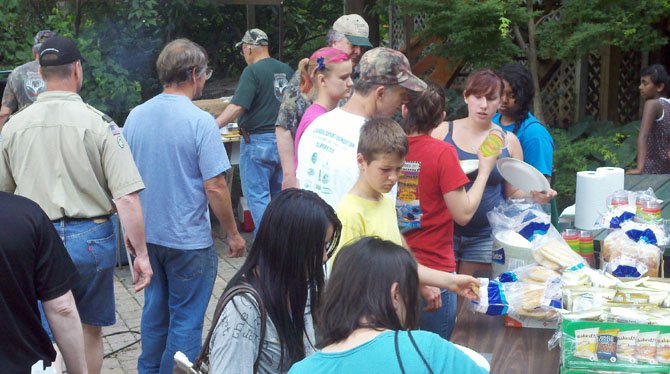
[260, 173]
[441, 321]
[174, 305]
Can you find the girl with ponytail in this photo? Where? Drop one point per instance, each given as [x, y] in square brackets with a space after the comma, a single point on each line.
[326, 76]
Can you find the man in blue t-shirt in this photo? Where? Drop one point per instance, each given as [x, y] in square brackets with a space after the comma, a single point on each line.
[178, 151]
[256, 102]
[514, 115]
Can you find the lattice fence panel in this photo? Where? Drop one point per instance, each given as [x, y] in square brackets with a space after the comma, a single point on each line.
[593, 86]
[559, 97]
[397, 33]
[628, 95]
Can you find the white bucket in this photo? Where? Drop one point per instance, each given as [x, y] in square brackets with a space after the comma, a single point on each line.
[510, 251]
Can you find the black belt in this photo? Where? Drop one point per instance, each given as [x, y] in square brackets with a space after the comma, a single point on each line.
[98, 219]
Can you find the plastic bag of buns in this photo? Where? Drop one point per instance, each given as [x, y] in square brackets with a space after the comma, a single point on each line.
[552, 252]
[617, 244]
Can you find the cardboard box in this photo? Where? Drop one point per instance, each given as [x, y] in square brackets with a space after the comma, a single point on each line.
[577, 364]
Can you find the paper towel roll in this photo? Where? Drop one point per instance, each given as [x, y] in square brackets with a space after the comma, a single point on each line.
[614, 179]
[592, 190]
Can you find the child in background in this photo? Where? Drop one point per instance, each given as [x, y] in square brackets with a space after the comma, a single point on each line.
[514, 115]
[653, 142]
[367, 210]
[326, 75]
[431, 196]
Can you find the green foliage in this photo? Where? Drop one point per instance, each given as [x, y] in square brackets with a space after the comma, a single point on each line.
[587, 145]
[474, 31]
[16, 39]
[585, 26]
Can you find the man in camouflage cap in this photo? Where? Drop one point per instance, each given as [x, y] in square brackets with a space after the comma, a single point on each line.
[327, 155]
[349, 34]
[25, 82]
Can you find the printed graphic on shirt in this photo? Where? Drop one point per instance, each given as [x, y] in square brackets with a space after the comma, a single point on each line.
[33, 85]
[407, 205]
[326, 144]
[280, 84]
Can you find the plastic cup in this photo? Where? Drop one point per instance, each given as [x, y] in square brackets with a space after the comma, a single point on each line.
[571, 236]
[494, 142]
[585, 243]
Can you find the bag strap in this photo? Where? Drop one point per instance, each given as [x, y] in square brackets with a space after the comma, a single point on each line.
[425, 362]
[243, 287]
[416, 347]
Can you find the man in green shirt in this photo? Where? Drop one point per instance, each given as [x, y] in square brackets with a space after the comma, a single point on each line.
[256, 102]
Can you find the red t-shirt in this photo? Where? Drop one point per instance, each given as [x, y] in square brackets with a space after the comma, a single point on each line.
[431, 170]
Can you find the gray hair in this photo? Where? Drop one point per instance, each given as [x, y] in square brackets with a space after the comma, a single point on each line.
[177, 59]
[334, 36]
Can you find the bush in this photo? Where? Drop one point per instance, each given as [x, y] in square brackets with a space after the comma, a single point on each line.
[587, 145]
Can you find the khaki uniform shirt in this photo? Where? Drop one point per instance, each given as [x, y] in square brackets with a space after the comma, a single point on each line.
[66, 156]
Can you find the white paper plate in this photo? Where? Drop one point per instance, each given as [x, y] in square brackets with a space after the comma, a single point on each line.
[469, 166]
[476, 357]
[522, 175]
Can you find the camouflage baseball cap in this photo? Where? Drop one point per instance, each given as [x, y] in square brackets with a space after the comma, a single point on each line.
[388, 66]
[254, 37]
[42, 36]
[354, 28]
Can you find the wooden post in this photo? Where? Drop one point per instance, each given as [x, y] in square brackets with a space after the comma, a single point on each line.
[281, 32]
[609, 79]
[581, 83]
[409, 28]
[251, 16]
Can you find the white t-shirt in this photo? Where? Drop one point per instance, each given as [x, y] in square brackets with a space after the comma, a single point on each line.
[327, 155]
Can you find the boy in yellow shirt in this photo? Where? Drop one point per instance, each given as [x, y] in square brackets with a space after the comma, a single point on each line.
[368, 209]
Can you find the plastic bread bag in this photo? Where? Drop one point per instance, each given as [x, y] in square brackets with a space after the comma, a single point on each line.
[626, 267]
[645, 232]
[534, 300]
[614, 218]
[552, 252]
[492, 299]
[618, 244]
[529, 273]
[527, 219]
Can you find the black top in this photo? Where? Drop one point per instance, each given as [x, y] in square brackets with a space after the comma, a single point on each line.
[34, 265]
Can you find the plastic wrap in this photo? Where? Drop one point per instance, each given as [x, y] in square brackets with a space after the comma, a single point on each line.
[618, 244]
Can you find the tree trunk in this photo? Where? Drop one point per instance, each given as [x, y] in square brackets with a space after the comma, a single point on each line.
[533, 65]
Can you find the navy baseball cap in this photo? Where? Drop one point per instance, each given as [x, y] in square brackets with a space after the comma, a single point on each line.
[59, 50]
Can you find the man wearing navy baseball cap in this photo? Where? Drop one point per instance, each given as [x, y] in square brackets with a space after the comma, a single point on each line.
[72, 160]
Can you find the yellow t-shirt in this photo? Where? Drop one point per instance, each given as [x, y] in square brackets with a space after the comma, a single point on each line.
[363, 217]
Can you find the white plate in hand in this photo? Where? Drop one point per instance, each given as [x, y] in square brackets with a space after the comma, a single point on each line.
[469, 166]
[522, 175]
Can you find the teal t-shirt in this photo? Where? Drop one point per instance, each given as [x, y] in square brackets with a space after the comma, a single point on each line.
[379, 356]
[259, 92]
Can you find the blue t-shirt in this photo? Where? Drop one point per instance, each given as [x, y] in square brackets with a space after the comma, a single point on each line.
[176, 147]
[536, 142]
[379, 356]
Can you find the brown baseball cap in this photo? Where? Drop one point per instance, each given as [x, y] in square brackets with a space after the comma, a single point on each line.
[389, 67]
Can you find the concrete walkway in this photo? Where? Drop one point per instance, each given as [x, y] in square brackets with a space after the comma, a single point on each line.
[129, 311]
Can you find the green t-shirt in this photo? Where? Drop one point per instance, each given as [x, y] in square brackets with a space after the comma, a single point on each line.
[259, 92]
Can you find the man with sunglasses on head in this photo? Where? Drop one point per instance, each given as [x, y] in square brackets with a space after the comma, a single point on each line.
[72, 160]
[256, 101]
[350, 35]
[178, 151]
[25, 82]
